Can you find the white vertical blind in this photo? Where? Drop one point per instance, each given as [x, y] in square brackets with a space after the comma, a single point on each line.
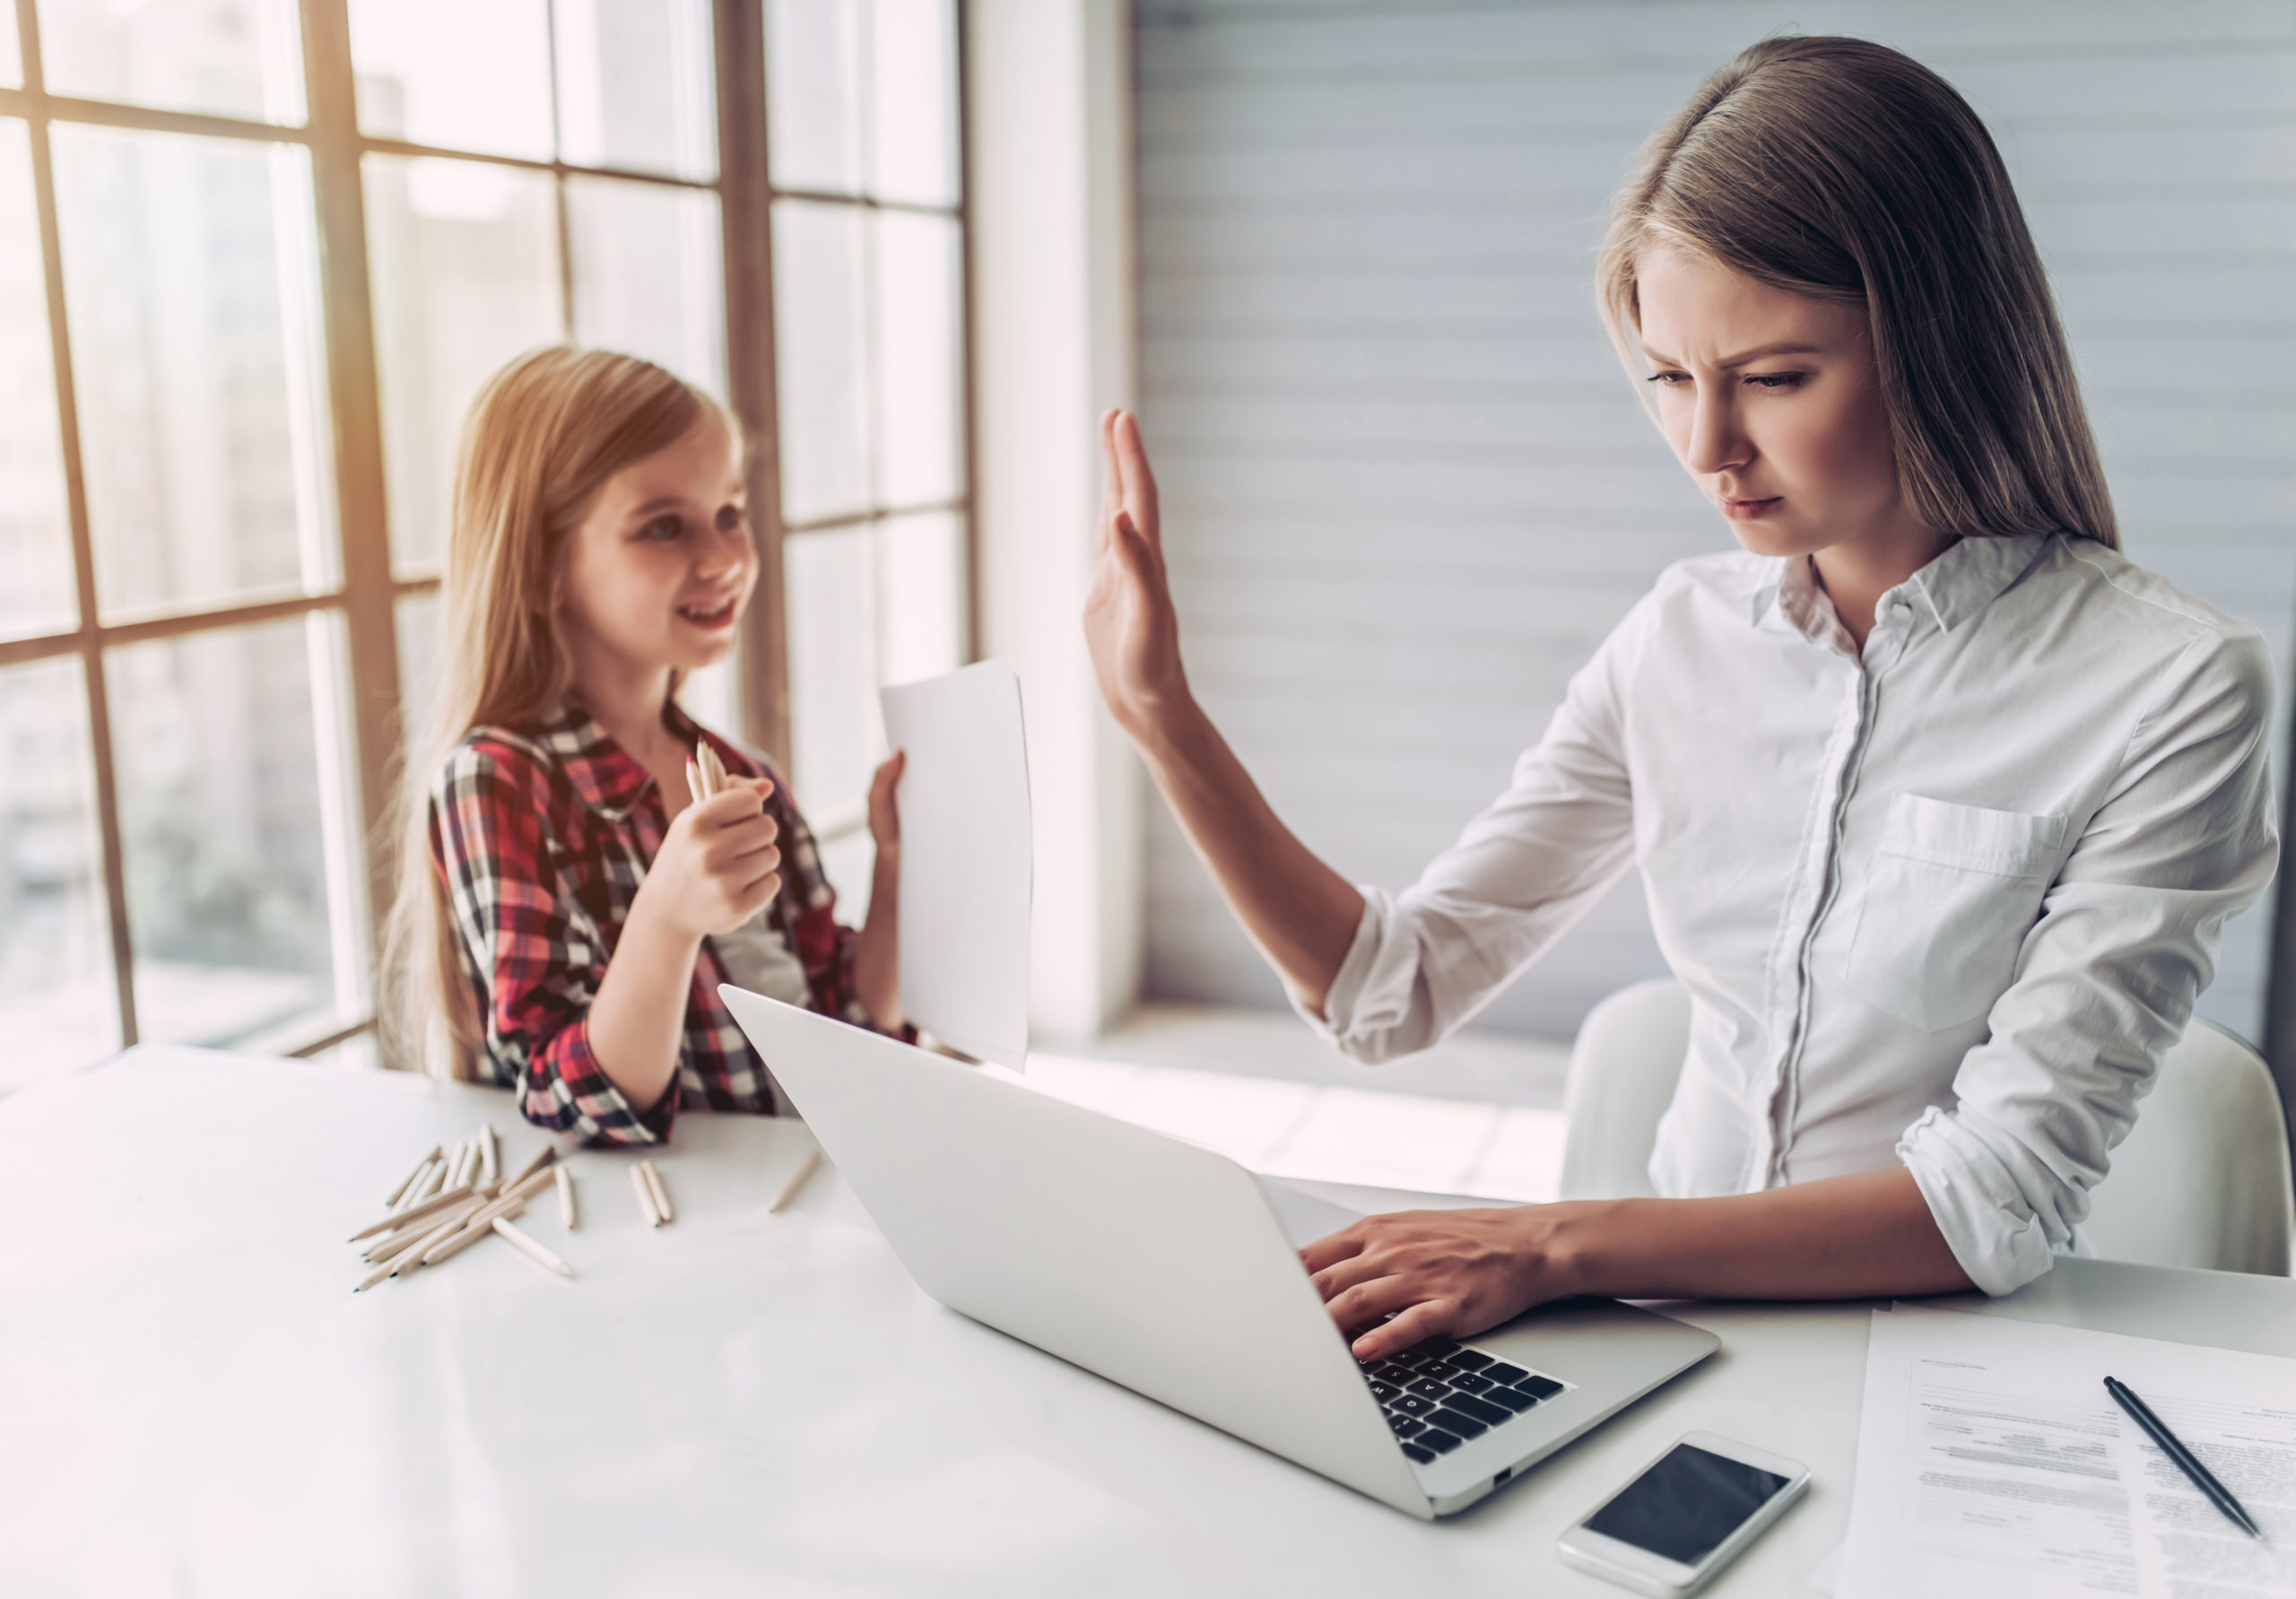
[1407, 490]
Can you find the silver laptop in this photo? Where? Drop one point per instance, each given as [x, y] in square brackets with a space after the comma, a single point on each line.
[1103, 1243]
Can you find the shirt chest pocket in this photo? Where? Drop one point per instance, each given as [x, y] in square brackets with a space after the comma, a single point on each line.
[1952, 893]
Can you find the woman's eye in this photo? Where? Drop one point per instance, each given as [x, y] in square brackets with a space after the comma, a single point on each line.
[729, 517]
[662, 529]
[1775, 379]
[1669, 380]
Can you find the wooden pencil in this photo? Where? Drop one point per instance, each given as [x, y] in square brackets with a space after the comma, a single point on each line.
[398, 1243]
[693, 783]
[805, 1168]
[529, 1248]
[507, 1199]
[489, 1152]
[713, 770]
[411, 1178]
[511, 1204]
[409, 1216]
[549, 1154]
[645, 1196]
[410, 1257]
[377, 1275]
[430, 1186]
[661, 1194]
[415, 1186]
[455, 1243]
[566, 1196]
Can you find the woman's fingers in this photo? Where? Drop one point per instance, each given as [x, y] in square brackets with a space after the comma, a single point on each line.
[1332, 1249]
[1139, 561]
[1112, 482]
[1429, 1318]
[1139, 481]
[1341, 1275]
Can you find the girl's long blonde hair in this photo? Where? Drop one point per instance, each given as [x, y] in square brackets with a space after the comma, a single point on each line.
[1843, 170]
[542, 438]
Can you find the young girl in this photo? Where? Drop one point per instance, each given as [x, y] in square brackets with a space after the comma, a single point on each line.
[567, 910]
[1941, 802]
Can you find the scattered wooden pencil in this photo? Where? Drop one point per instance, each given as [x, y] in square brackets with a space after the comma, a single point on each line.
[398, 1218]
[566, 1197]
[809, 1165]
[434, 1179]
[529, 1248]
[432, 1218]
[645, 1196]
[406, 1184]
[661, 1194]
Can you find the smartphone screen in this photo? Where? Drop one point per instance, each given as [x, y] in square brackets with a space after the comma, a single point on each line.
[1683, 1507]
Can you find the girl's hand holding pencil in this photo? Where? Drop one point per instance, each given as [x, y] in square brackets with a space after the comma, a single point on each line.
[717, 865]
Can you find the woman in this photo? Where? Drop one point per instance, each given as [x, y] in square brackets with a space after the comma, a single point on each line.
[567, 907]
[1941, 802]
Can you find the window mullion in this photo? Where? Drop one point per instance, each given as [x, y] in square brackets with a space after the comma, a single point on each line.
[362, 525]
[967, 453]
[83, 555]
[746, 198]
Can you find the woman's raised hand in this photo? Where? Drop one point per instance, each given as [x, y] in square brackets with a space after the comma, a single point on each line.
[718, 864]
[1129, 621]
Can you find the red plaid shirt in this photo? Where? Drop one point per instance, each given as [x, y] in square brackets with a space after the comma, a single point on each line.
[542, 835]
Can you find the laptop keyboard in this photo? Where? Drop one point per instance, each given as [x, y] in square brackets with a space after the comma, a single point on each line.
[1439, 1393]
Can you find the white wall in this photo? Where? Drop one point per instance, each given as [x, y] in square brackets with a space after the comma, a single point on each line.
[1406, 489]
[1050, 180]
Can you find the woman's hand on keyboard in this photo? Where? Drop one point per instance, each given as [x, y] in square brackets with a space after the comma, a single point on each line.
[1447, 1274]
[1453, 1273]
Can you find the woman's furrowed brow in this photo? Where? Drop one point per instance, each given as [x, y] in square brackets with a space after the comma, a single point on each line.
[1783, 347]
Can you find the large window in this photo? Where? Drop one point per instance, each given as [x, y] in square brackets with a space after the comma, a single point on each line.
[255, 257]
[867, 252]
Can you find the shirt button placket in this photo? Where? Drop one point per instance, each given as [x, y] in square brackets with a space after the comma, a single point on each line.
[1815, 888]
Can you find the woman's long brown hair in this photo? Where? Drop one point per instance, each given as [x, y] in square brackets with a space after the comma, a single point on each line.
[1843, 170]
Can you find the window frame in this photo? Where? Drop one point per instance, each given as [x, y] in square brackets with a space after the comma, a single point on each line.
[370, 590]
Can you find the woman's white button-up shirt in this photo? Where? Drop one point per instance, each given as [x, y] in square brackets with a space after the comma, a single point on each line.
[1947, 902]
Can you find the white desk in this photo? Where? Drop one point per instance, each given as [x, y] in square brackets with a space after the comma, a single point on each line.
[193, 1402]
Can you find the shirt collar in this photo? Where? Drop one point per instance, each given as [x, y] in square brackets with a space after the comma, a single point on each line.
[1955, 586]
[1974, 573]
[608, 778]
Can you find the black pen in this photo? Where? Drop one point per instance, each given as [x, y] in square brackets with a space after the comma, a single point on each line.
[2185, 1461]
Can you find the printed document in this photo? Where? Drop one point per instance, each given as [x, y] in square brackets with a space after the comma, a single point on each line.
[1992, 1465]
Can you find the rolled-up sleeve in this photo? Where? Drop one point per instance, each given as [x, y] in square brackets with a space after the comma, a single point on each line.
[527, 950]
[1425, 960]
[2107, 977]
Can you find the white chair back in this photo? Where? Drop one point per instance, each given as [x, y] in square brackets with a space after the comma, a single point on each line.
[2202, 1180]
[1623, 1068]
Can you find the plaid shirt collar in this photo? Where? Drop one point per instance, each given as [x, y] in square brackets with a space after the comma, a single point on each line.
[608, 777]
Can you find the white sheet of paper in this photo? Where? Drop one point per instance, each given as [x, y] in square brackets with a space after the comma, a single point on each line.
[967, 861]
[1992, 1465]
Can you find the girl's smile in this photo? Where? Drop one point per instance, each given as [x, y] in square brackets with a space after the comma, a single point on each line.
[661, 565]
[711, 615]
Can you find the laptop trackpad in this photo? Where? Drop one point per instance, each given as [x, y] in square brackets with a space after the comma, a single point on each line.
[1304, 1217]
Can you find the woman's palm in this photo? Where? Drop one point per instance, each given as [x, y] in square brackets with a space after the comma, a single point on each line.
[1129, 621]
